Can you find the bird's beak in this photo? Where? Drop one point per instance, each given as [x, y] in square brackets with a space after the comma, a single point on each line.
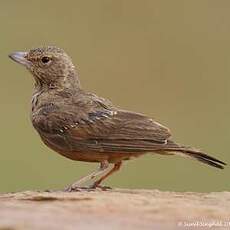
[20, 57]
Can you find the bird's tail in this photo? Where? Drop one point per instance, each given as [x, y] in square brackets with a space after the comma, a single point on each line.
[195, 154]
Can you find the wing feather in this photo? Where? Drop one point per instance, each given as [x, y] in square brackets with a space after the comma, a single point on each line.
[121, 130]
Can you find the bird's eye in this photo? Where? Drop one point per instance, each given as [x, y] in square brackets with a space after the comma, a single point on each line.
[45, 59]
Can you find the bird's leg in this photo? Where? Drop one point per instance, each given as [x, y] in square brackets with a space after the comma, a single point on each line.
[115, 168]
[104, 165]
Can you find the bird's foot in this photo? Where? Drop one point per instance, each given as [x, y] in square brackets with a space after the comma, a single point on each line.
[78, 189]
[100, 187]
[90, 188]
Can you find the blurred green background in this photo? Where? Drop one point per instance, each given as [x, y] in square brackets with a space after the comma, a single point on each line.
[167, 59]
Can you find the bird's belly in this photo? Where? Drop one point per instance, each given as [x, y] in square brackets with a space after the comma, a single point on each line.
[61, 146]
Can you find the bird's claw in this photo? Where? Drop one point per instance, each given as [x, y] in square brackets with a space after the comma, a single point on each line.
[101, 187]
[77, 189]
[90, 188]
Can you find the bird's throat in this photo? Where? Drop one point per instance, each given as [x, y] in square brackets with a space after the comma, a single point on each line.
[68, 81]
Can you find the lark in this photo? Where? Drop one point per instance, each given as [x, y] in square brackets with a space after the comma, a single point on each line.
[84, 127]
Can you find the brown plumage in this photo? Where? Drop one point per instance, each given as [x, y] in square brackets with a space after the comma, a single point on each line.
[84, 127]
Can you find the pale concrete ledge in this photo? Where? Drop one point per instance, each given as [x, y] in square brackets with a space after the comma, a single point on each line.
[115, 209]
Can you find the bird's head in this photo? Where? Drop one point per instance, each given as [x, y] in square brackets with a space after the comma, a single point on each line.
[50, 66]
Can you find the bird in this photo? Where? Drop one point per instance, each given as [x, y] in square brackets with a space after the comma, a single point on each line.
[84, 127]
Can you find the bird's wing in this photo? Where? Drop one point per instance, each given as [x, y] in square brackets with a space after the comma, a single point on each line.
[108, 128]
